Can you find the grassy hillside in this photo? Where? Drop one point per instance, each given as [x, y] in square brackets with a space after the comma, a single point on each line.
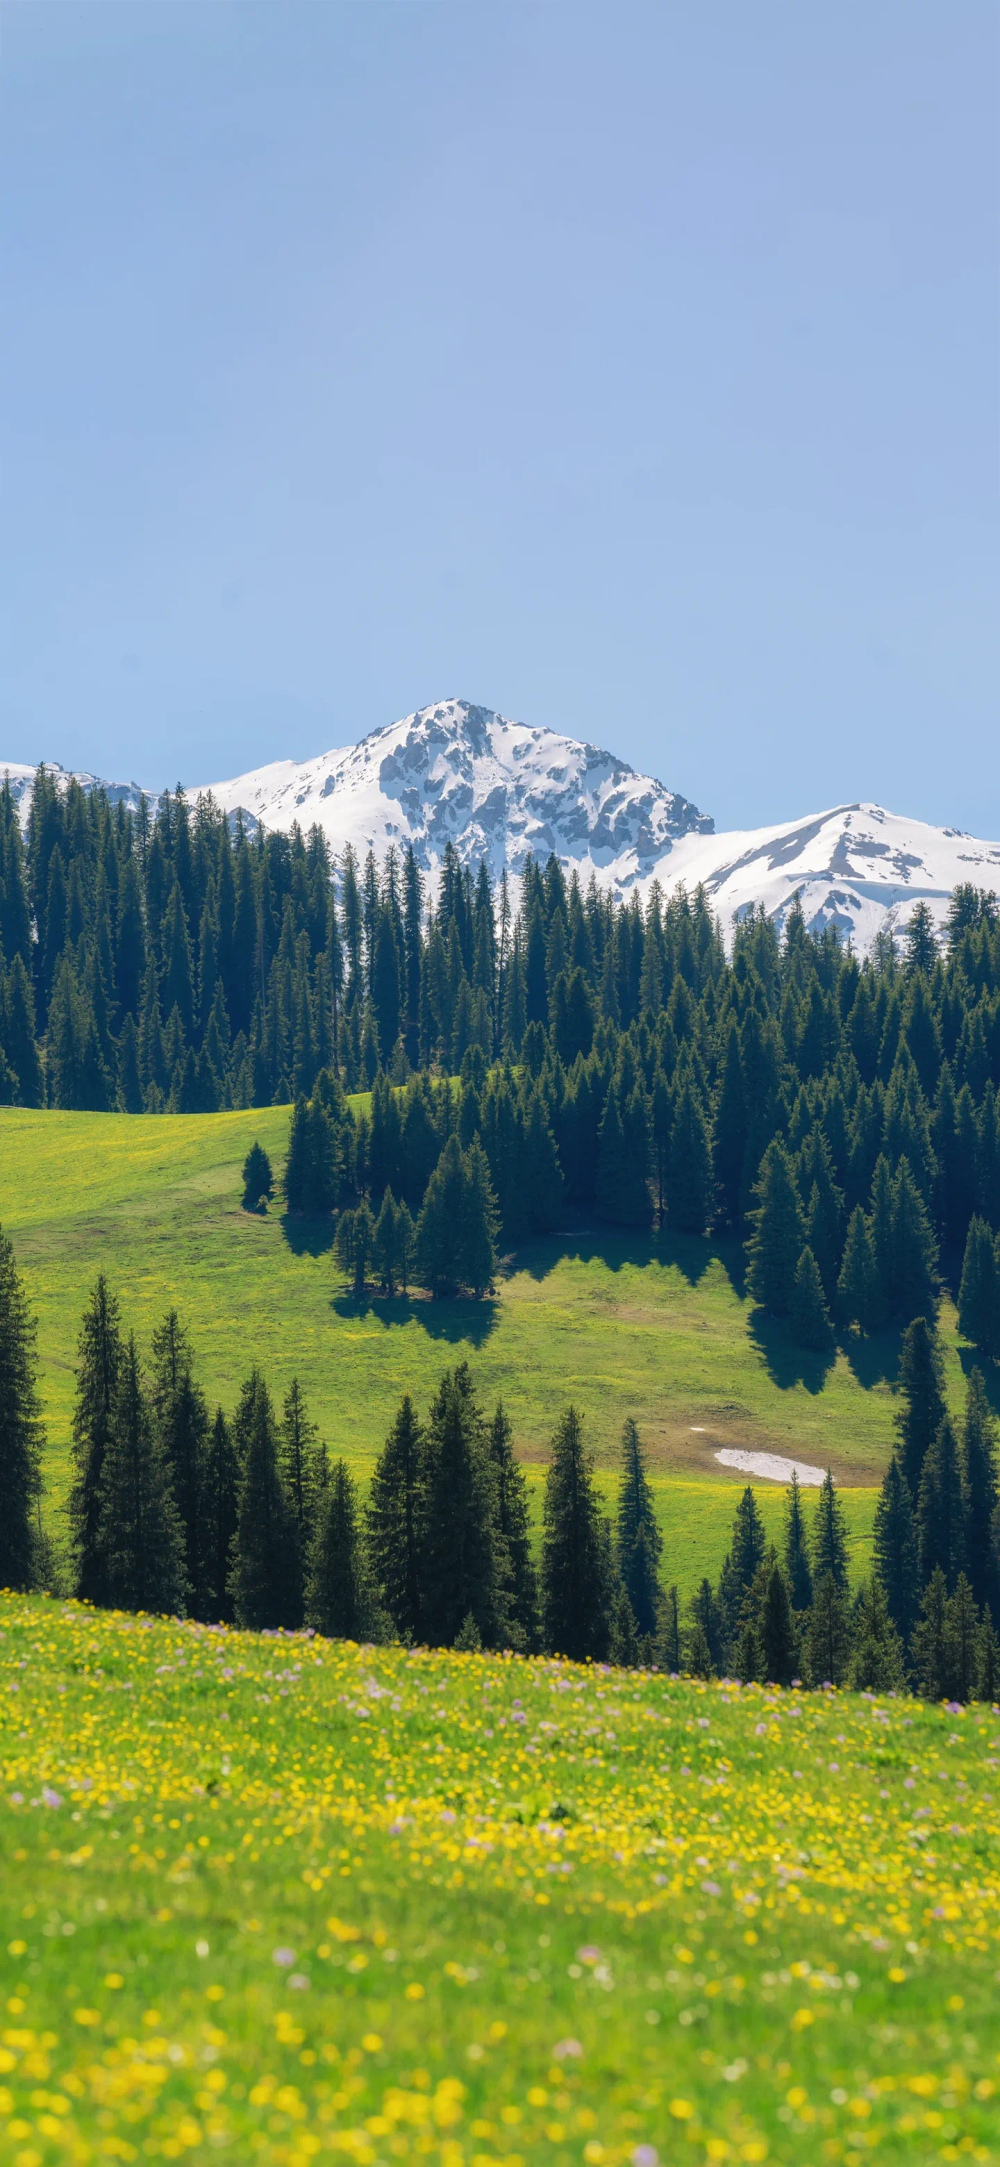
[294, 1899]
[657, 1327]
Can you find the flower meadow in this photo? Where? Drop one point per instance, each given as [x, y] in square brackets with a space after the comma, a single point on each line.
[292, 1899]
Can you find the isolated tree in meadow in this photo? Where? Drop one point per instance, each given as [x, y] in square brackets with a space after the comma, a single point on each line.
[100, 1360]
[265, 1575]
[922, 1390]
[896, 1557]
[638, 1542]
[576, 1587]
[21, 1434]
[392, 1522]
[140, 1530]
[258, 1181]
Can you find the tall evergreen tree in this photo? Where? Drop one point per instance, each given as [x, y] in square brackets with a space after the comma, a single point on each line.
[393, 1522]
[339, 1595]
[830, 1540]
[895, 1549]
[265, 1574]
[923, 1410]
[809, 1316]
[21, 1434]
[979, 1294]
[521, 1593]
[577, 1594]
[931, 1648]
[778, 1635]
[219, 1511]
[140, 1533]
[689, 1173]
[981, 1494]
[100, 1359]
[828, 1633]
[797, 1563]
[180, 1418]
[877, 1661]
[638, 1542]
[858, 1298]
[778, 1237]
[463, 1570]
[298, 1460]
[941, 1509]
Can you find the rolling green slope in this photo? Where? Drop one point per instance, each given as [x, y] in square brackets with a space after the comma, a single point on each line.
[657, 1328]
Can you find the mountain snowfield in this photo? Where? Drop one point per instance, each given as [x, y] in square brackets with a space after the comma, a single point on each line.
[458, 773]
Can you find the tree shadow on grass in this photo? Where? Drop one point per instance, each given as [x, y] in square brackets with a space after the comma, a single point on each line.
[873, 1359]
[459, 1321]
[309, 1237]
[788, 1365]
[614, 1247]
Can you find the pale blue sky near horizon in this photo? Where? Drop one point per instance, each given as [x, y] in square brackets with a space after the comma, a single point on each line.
[632, 369]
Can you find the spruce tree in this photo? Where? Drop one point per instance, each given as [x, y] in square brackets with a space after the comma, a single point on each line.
[440, 1223]
[265, 1574]
[797, 1563]
[219, 1508]
[979, 1294]
[988, 1663]
[638, 1542]
[480, 1221]
[830, 1540]
[622, 1195]
[670, 1645]
[931, 1646]
[689, 1184]
[704, 1637]
[392, 1521]
[623, 1641]
[778, 1635]
[463, 1568]
[100, 1359]
[339, 1595]
[981, 1493]
[828, 1635]
[356, 1245]
[514, 1524]
[857, 1286]
[915, 1254]
[941, 1509]
[923, 1411]
[778, 1233]
[964, 1634]
[577, 1593]
[877, 1661]
[141, 1537]
[258, 1181]
[729, 1137]
[21, 1433]
[895, 1549]
[809, 1316]
[180, 1418]
[298, 1462]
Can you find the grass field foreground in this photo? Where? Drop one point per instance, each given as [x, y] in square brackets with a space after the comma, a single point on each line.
[290, 1900]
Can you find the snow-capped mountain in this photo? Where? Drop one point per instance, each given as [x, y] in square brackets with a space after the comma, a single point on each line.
[22, 783]
[498, 789]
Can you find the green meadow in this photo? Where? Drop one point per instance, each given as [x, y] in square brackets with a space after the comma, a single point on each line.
[652, 1326]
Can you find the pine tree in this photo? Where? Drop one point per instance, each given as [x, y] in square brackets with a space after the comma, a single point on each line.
[514, 1523]
[941, 1509]
[729, 1140]
[540, 1172]
[100, 1359]
[981, 1494]
[298, 1463]
[964, 1634]
[877, 1662]
[778, 1636]
[21, 1433]
[623, 1640]
[778, 1235]
[258, 1181]
[18, 1036]
[480, 1220]
[828, 1637]
[219, 1509]
[141, 1538]
[386, 1245]
[895, 1549]
[180, 1419]
[809, 1316]
[576, 1591]
[931, 1647]
[979, 1294]
[915, 1254]
[393, 1522]
[356, 1245]
[462, 1566]
[797, 1563]
[689, 1183]
[830, 1540]
[857, 1287]
[920, 1382]
[339, 1596]
[638, 1542]
[265, 1574]
[623, 1197]
[703, 1650]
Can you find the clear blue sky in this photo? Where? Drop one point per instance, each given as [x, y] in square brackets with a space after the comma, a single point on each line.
[632, 369]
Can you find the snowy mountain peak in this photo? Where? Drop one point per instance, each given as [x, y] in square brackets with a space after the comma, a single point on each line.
[496, 789]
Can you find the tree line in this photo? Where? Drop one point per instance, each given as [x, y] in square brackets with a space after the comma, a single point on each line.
[244, 1520]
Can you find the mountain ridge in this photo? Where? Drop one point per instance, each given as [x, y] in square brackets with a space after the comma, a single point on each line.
[459, 773]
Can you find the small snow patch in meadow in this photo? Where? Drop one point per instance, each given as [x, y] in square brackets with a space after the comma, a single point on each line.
[770, 1467]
